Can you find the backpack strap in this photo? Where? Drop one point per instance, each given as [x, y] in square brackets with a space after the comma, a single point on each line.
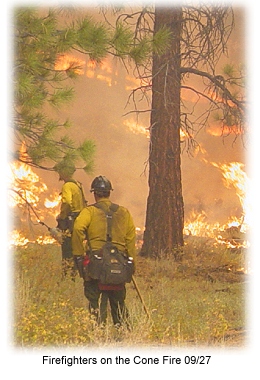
[79, 184]
[109, 215]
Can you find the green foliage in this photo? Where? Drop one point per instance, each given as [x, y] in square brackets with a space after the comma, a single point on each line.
[86, 150]
[39, 40]
[122, 40]
[229, 70]
[39, 85]
[227, 116]
[60, 96]
[140, 51]
[89, 168]
[67, 38]
[161, 40]
[93, 39]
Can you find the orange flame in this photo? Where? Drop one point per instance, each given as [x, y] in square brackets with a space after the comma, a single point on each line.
[235, 176]
[26, 185]
[65, 62]
[17, 239]
[137, 128]
[223, 130]
[26, 188]
[54, 200]
[232, 233]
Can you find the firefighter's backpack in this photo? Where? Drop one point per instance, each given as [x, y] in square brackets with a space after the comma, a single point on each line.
[109, 265]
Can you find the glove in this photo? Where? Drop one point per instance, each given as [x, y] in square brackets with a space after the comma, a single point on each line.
[56, 234]
[78, 260]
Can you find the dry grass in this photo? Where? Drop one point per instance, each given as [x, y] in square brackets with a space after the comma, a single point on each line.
[198, 301]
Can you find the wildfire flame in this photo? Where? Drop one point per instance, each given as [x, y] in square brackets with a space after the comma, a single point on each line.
[235, 176]
[54, 200]
[233, 232]
[27, 189]
[107, 71]
[18, 240]
[66, 62]
[223, 130]
[137, 128]
[103, 71]
[26, 185]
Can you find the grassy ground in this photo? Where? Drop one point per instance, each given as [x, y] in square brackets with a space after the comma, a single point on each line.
[198, 301]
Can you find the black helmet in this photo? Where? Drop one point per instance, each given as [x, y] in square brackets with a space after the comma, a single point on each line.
[101, 184]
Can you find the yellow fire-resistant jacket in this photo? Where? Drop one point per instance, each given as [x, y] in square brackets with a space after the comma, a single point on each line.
[93, 220]
[72, 198]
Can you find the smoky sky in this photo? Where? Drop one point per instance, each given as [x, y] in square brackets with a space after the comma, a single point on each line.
[97, 113]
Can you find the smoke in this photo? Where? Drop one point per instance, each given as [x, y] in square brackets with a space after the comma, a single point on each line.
[96, 114]
[203, 184]
[121, 155]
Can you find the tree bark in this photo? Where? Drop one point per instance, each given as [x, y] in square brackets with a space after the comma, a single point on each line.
[165, 208]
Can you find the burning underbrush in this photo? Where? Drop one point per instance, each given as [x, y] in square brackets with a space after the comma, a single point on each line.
[196, 297]
[32, 203]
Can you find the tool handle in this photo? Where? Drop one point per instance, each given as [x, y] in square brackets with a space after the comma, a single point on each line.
[140, 296]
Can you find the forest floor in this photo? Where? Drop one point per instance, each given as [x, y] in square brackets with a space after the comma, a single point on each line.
[200, 299]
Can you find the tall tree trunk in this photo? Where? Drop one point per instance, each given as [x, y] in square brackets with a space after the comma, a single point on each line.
[165, 209]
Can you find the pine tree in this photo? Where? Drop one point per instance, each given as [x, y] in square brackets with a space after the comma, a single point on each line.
[41, 38]
[198, 38]
[39, 86]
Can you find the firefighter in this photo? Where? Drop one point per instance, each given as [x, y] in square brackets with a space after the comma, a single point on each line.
[92, 223]
[72, 202]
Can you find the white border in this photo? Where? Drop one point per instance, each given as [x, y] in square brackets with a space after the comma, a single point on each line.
[236, 364]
